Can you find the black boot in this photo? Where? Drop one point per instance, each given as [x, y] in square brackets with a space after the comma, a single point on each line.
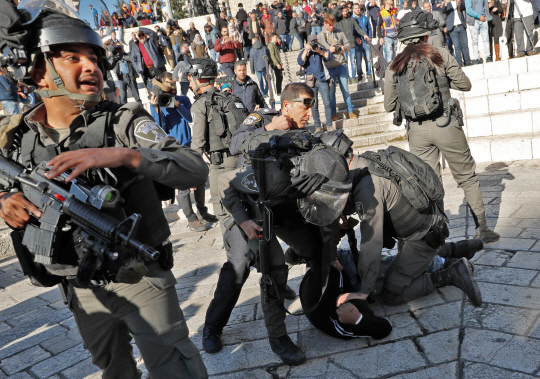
[462, 249]
[483, 232]
[211, 341]
[289, 293]
[459, 275]
[286, 349]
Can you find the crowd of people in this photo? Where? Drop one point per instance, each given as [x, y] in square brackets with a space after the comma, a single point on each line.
[310, 181]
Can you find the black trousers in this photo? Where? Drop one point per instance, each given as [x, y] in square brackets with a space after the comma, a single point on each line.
[185, 202]
[304, 239]
[279, 79]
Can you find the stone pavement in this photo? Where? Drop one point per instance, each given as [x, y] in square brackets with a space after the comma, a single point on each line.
[438, 336]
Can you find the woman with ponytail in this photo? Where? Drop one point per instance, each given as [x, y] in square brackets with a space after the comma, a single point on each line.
[417, 87]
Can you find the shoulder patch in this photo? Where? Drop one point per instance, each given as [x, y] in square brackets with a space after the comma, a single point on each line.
[249, 183]
[149, 130]
[252, 119]
[360, 210]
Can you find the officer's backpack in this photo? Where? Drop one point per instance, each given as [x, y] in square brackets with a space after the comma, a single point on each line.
[418, 92]
[416, 180]
[229, 113]
[280, 142]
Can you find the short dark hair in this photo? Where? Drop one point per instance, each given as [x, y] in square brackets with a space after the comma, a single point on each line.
[240, 4]
[239, 63]
[224, 27]
[294, 90]
[274, 34]
[163, 76]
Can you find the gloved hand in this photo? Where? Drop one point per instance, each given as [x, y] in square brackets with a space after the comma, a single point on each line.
[304, 184]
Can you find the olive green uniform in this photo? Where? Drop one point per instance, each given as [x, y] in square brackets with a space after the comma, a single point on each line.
[428, 141]
[385, 214]
[205, 141]
[109, 315]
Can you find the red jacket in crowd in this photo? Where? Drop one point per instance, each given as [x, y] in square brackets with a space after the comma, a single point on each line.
[226, 50]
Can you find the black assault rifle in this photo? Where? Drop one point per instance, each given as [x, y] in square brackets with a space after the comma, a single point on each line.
[263, 217]
[102, 237]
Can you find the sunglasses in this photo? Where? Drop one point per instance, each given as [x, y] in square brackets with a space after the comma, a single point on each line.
[307, 101]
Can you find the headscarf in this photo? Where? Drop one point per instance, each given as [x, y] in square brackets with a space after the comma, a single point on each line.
[198, 39]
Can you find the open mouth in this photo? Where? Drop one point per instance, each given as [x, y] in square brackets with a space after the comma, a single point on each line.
[90, 84]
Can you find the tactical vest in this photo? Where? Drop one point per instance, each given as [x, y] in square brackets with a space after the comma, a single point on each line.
[138, 192]
[214, 141]
[404, 218]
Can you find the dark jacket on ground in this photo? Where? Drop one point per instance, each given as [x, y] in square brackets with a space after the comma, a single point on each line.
[256, 57]
[280, 25]
[250, 93]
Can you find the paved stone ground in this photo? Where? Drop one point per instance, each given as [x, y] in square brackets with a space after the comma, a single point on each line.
[438, 336]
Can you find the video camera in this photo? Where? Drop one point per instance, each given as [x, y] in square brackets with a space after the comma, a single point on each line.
[164, 100]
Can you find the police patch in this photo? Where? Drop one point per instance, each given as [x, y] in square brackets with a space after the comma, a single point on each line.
[249, 183]
[252, 119]
[360, 210]
[148, 130]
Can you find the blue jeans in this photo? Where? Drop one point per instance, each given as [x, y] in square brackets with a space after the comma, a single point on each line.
[390, 48]
[11, 106]
[176, 51]
[458, 35]
[322, 87]
[316, 30]
[340, 76]
[263, 83]
[350, 58]
[297, 36]
[284, 42]
[481, 28]
[363, 51]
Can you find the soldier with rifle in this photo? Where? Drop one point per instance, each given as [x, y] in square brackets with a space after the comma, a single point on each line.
[60, 162]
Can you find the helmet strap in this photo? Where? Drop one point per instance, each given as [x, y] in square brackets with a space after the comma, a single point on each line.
[62, 91]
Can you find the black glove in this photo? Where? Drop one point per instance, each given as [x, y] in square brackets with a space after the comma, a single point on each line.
[304, 184]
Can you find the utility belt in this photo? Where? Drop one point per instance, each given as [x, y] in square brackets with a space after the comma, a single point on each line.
[101, 278]
[218, 157]
[442, 118]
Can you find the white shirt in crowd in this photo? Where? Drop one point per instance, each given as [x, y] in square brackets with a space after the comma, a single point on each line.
[402, 13]
[525, 8]
[457, 20]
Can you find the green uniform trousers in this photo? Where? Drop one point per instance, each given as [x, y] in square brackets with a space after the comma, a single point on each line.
[406, 278]
[229, 164]
[108, 317]
[428, 141]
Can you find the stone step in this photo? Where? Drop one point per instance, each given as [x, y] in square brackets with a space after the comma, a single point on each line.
[360, 108]
[379, 138]
[371, 129]
[504, 123]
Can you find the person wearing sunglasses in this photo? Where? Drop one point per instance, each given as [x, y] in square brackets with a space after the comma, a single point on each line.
[297, 100]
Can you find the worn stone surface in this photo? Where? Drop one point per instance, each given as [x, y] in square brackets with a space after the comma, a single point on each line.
[438, 336]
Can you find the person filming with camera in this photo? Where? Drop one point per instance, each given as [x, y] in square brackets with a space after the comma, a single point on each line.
[173, 114]
[312, 59]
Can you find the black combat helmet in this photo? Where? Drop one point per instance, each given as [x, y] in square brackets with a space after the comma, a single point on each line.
[202, 68]
[327, 196]
[44, 24]
[416, 24]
